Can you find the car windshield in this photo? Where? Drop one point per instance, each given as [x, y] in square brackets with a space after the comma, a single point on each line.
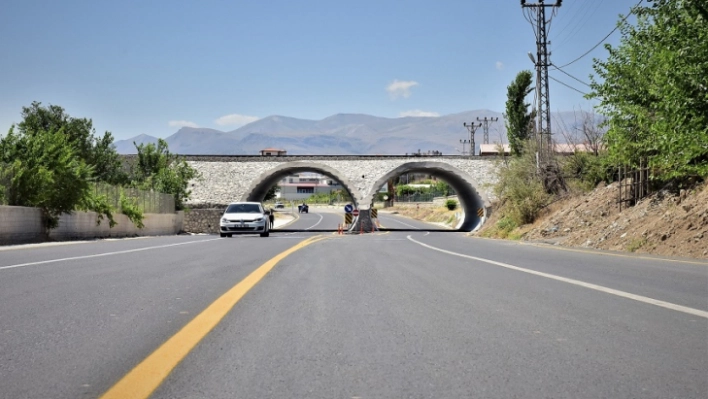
[243, 208]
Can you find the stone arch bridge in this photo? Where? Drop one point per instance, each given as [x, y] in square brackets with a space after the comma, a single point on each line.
[228, 178]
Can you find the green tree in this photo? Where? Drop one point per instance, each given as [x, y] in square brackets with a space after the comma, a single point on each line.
[652, 89]
[157, 169]
[43, 171]
[518, 117]
[270, 195]
[97, 152]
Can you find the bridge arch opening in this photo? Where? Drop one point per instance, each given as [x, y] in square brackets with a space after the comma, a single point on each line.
[472, 200]
[259, 186]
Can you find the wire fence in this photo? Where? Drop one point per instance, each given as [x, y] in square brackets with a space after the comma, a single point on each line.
[146, 201]
[418, 197]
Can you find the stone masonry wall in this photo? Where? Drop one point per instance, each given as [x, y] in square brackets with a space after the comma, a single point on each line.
[202, 220]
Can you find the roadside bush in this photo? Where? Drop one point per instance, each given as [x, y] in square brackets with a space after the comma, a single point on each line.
[405, 189]
[588, 169]
[520, 189]
[158, 169]
[451, 204]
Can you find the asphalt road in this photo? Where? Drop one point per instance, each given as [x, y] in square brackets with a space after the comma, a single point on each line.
[412, 314]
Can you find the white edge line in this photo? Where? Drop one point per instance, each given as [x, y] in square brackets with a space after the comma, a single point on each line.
[318, 222]
[103, 254]
[639, 298]
[404, 223]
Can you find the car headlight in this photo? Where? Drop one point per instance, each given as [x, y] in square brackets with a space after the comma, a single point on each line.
[259, 220]
[224, 220]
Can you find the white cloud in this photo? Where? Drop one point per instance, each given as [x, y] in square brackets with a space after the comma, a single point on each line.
[419, 113]
[235, 120]
[182, 124]
[499, 65]
[400, 88]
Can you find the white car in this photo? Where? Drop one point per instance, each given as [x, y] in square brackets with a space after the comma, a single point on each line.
[245, 218]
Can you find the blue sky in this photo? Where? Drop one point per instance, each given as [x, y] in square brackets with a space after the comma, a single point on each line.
[150, 66]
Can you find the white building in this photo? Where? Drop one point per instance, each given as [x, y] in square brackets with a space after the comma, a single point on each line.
[302, 185]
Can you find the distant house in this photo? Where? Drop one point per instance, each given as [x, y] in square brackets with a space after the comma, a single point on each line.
[301, 186]
[559, 148]
[493, 149]
[273, 152]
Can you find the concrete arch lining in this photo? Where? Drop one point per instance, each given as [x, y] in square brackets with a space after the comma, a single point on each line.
[260, 186]
[471, 199]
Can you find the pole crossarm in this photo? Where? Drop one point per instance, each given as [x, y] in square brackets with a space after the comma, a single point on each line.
[485, 127]
[472, 128]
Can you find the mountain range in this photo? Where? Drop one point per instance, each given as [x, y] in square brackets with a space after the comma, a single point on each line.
[341, 134]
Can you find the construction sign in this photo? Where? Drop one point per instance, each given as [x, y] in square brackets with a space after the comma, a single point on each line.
[348, 218]
[374, 213]
[480, 212]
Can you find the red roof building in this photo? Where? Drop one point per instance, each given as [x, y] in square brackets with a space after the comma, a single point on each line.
[273, 152]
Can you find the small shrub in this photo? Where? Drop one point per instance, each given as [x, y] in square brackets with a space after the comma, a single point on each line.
[588, 170]
[451, 204]
[636, 243]
[516, 236]
[520, 188]
[505, 226]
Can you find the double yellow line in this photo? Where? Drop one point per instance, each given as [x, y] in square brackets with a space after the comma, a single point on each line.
[147, 376]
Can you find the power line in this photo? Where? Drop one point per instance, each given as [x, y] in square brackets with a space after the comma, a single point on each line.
[573, 11]
[578, 27]
[631, 11]
[568, 86]
[569, 75]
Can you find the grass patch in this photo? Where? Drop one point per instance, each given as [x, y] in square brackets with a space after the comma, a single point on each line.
[636, 243]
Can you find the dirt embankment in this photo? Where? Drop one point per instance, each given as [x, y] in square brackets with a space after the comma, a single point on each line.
[661, 224]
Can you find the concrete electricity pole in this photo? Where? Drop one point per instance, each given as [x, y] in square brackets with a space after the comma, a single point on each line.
[472, 127]
[538, 16]
[485, 127]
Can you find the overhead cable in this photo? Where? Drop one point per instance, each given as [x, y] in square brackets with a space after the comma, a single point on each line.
[631, 11]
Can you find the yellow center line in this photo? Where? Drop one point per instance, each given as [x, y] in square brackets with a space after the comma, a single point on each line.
[142, 380]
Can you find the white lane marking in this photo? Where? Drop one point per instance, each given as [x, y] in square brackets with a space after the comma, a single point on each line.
[14, 247]
[318, 222]
[104, 254]
[295, 232]
[403, 223]
[623, 294]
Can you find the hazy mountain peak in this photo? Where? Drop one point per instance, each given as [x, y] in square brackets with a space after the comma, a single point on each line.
[343, 133]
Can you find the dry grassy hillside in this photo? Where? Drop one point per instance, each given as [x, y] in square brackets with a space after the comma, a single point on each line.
[662, 224]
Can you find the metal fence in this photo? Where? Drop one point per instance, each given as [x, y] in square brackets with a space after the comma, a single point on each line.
[633, 184]
[418, 197]
[146, 201]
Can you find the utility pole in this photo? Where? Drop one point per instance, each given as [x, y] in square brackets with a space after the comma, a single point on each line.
[485, 127]
[472, 127]
[542, 62]
[464, 143]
